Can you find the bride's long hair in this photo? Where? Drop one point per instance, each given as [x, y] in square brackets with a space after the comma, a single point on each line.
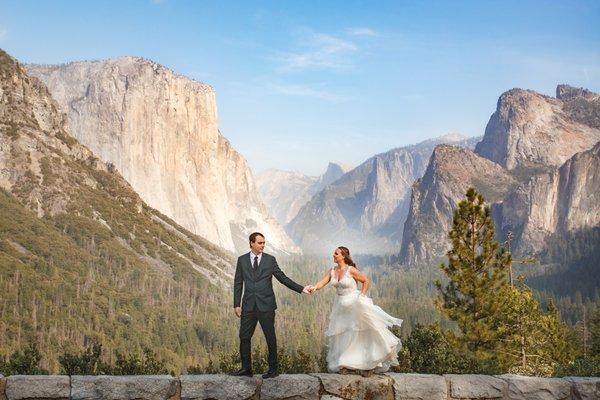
[347, 259]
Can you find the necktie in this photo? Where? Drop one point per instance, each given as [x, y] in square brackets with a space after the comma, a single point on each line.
[255, 265]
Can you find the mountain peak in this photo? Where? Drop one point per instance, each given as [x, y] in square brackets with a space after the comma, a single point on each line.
[530, 129]
[566, 93]
[337, 166]
[453, 137]
[160, 130]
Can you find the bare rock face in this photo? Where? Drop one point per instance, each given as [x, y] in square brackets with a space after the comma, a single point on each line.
[450, 172]
[529, 129]
[48, 170]
[544, 180]
[366, 208]
[557, 201]
[285, 192]
[160, 131]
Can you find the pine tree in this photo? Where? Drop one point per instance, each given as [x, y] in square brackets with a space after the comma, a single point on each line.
[477, 271]
[502, 327]
[534, 342]
[595, 331]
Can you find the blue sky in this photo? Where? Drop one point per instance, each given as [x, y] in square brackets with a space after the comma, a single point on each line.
[300, 83]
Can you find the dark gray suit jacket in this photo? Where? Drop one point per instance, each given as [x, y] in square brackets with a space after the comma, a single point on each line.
[257, 285]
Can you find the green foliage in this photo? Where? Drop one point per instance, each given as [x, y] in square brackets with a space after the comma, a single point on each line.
[133, 364]
[582, 366]
[25, 362]
[501, 328]
[533, 342]
[428, 351]
[595, 332]
[477, 272]
[569, 265]
[297, 362]
[87, 362]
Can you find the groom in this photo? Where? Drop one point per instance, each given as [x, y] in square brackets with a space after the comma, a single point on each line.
[253, 273]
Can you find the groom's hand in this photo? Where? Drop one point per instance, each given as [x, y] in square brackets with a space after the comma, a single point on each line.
[308, 289]
[237, 311]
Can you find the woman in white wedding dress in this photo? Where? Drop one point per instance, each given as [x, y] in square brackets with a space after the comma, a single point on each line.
[359, 338]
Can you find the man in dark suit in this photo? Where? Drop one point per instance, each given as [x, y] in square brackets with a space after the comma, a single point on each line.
[253, 274]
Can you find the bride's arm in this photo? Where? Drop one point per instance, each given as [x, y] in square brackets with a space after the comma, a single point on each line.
[362, 278]
[323, 281]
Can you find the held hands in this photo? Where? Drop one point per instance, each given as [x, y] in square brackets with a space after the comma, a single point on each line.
[308, 289]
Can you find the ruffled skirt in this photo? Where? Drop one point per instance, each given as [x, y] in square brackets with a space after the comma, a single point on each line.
[358, 335]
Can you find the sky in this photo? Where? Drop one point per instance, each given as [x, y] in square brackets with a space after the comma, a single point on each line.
[302, 83]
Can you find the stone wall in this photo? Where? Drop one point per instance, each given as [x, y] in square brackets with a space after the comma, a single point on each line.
[312, 386]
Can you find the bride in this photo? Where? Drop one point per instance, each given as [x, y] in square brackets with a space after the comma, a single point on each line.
[357, 332]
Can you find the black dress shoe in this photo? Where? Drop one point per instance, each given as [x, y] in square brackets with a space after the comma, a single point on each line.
[242, 372]
[270, 374]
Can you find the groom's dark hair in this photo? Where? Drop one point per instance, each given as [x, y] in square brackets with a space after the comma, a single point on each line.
[253, 236]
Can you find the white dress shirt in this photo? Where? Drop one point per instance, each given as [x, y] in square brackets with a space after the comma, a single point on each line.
[252, 255]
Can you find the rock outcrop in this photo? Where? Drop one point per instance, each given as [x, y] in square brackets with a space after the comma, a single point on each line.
[285, 192]
[86, 249]
[544, 180]
[160, 131]
[48, 170]
[529, 129]
[391, 386]
[450, 172]
[366, 208]
[557, 201]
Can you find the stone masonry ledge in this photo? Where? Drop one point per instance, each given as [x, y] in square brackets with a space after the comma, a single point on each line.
[390, 386]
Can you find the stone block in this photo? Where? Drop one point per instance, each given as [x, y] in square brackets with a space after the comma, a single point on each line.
[584, 388]
[2, 387]
[470, 386]
[534, 388]
[38, 387]
[376, 387]
[135, 387]
[419, 386]
[292, 387]
[200, 387]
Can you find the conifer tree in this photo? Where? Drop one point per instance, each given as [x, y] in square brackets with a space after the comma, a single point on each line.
[534, 342]
[477, 272]
[501, 327]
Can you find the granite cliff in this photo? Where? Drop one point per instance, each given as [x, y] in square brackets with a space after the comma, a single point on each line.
[366, 208]
[160, 131]
[543, 179]
[81, 251]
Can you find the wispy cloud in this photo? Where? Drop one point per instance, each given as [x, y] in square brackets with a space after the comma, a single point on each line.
[3, 33]
[361, 31]
[307, 91]
[319, 51]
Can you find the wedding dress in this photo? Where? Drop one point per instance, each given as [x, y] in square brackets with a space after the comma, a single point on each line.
[358, 332]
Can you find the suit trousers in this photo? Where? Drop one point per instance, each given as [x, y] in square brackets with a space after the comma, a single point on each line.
[247, 327]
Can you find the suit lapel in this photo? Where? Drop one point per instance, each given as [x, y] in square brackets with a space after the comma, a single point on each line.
[249, 265]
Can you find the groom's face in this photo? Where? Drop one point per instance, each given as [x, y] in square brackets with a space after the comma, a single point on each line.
[258, 245]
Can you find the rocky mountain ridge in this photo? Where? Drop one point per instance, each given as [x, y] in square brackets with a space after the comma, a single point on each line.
[160, 131]
[285, 192]
[81, 251]
[366, 208]
[546, 147]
